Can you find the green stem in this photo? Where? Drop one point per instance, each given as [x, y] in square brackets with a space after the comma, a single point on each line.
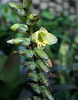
[33, 46]
[31, 30]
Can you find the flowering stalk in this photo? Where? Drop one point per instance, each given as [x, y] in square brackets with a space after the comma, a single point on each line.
[40, 62]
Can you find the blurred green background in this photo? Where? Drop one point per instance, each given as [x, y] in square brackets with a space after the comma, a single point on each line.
[64, 56]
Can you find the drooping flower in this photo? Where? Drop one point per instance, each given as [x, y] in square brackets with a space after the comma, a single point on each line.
[43, 38]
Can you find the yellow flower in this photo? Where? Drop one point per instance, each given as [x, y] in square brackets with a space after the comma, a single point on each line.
[43, 38]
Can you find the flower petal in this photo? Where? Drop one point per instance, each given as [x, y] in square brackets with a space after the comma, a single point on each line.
[35, 36]
[40, 47]
[51, 39]
[42, 29]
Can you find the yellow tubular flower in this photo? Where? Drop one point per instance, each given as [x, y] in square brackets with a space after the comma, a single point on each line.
[43, 38]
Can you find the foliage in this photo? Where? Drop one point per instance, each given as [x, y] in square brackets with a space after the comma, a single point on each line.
[64, 55]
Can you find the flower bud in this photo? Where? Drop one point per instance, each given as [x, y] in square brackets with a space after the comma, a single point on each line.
[42, 66]
[35, 87]
[20, 41]
[26, 53]
[43, 79]
[18, 9]
[34, 16]
[41, 54]
[22, 28]
[45, 91]
[30, 65]
[46, 63]
[32, 19]
[33, 76]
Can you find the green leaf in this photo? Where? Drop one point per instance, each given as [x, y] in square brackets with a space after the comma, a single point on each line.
[72, 17]
[2, 61]
[75, 96]
[62, 79]
[47, 15]
[8, 16]
[10, 70]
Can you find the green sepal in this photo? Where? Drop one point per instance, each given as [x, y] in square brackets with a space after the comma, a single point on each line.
[26, 53]
[31, 65]
[40, 53]
[33, 76]
[36, 98]
[22, 28]
[18, 9]
[35, 87]
[34, 16]
[43, 79]
[45, 91]
[42, 66]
